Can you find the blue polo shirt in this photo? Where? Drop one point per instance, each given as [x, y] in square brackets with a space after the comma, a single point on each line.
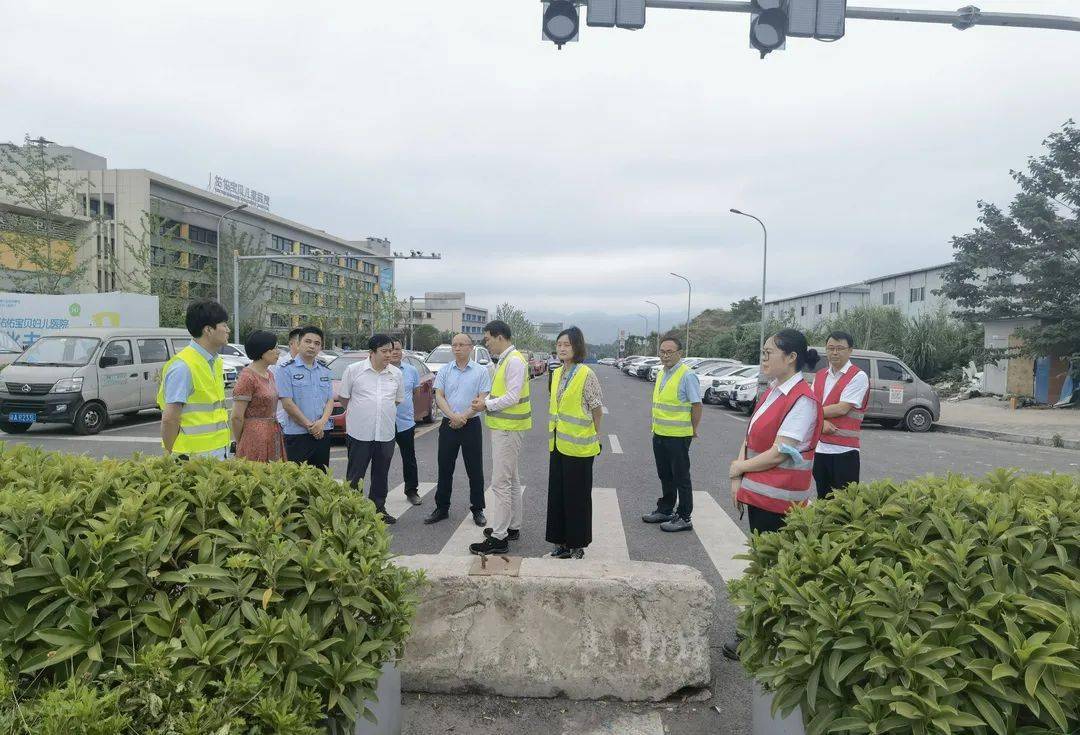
[178, 387]
[406, 415]
[461, 386]
[689, 386]
[308, 387]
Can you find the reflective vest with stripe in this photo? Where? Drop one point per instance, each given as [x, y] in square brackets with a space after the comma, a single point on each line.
[517, 417]
[670, 416]
[848, 427]
[788, 484]
[204, 420]
[569, 426]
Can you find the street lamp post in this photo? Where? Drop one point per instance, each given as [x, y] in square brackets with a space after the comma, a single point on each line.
[645, 334]
[218, 241]
[657, 324]
[689, 290]
[764, 261]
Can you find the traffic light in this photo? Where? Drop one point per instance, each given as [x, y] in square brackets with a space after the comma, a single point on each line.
[560, 21]
[768, 25]
[622, 13]
[820, 19]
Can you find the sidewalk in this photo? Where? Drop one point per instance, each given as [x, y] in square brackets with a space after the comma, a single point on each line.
[993, 419]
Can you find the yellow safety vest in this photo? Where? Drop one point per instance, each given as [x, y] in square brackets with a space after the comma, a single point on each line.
[670, 416]
[204, 420]
[514, 418]
[567, 421]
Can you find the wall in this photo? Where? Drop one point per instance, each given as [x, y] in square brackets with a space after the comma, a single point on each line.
[1009, 375]
[930, 280]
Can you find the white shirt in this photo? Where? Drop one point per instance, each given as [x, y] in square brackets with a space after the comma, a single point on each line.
[799, 423]
[515, 380]
[854, 393]
[373, 399]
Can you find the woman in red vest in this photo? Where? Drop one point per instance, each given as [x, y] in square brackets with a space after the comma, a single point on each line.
[775, 468]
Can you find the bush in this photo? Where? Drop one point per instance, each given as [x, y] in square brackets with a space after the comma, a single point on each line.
[938, 605]
[191, 597]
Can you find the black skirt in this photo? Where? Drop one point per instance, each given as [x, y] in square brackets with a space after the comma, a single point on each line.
[569, 509]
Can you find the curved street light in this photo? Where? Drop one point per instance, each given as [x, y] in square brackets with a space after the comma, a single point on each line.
[764, 261]
[689, 291]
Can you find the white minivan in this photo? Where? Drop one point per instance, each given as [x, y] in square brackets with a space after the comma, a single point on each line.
[82, 376]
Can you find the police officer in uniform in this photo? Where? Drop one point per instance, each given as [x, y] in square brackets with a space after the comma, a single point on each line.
[306, 388]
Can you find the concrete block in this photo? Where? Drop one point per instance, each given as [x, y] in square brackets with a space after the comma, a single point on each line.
[634, 631]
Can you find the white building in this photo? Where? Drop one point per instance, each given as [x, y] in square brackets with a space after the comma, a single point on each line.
[448, 312]
[809, 309]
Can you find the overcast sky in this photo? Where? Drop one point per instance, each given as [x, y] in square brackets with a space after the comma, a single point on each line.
[563, 181]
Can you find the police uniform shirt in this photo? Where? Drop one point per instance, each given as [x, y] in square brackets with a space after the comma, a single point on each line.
[309, 388]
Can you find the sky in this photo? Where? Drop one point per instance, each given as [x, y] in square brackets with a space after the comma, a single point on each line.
[568, 182]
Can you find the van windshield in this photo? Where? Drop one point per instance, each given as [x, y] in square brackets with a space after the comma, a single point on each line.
[60, 352]
[441, 356]
[7, 344]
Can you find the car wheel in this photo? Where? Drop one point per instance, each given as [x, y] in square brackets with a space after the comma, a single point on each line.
[430, 414]
[9, 428]
[918, 420]
[748, 408]
[708, 397]
[91, 419]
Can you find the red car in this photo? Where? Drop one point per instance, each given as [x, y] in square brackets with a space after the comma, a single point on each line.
[537, 365]
[425, 410]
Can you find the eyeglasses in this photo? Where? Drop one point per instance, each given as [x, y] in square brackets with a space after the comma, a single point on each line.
[668, 353]
[837, 350]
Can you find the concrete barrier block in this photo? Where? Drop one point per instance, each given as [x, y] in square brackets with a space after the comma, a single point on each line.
[635, 631]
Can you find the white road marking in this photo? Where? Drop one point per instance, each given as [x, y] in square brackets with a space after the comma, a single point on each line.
[613, 440]
[609, 538]
[604, 409]
[629, 724]
[426, 430]
[733, 416]
[720, 535]
[397, 503]
[468, 532]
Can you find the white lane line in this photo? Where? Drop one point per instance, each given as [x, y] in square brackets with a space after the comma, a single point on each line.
[733, 416]
[720, 535]
[427, 429]
[468, 532]
[609, 538]
[396, 503]
[604, 409]
[613, 440]
[630, 724]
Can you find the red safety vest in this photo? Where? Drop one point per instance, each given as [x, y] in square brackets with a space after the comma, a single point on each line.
[788, 484]
[849, 427]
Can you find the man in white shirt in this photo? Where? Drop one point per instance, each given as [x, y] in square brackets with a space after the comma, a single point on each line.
[837, 462]
[372, 390]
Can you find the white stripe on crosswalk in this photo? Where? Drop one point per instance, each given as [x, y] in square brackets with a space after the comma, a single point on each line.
[628, 724]
[613, 440]
[720, 535]
[397, 503]
[609, 538]
[469, 533]
[604, 409]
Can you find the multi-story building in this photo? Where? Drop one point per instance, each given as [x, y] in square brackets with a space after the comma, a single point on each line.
[549, 330]
[141, 231]
[448, 312]
[912, 292]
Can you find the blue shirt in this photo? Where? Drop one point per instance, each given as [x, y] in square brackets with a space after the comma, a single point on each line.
[461, 386]
[406, 416]
[179, 386]
[689, 386]
[308, 387]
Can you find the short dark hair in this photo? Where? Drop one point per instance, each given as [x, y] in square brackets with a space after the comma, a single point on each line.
[672, 338]
[259, 343]
[294, 333]
[841, 336]
[793, 341]
[577, 341]
[311, 329]
[397, 341]
[378, 340]
[498, 328]
[203, 314]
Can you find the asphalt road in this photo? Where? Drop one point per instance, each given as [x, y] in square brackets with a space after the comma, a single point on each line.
[626, 468]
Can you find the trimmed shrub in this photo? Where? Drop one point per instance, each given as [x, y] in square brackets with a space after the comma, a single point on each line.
[933, 606]
[192, 597]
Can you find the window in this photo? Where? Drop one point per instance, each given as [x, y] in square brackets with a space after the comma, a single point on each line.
[310, 275]
[95, 208]
[153, 350]
[888, 298]
[179, 343]
[157, 255]
[198, 262]
[918, 294]
[890, 370]
[834, 307]
[277, 268]
[169, 228]
[819, 307]
[862, 363]
[278, 320]
[281, 295]
[802, 311]
[201, 234]
[309, 299]
[121, 350]
[280, 244]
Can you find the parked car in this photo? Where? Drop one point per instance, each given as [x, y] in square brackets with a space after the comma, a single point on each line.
[424, 409]
[724, 387]
[83, 376]
[641, 369]
[443, 355]
[9, 349]
[897, 395]
[606, 361]
[744, 393]
[631, 362]
[709, 380]
[709, 363]
[537, 364]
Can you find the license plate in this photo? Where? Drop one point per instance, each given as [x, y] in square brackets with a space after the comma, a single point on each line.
[22, 418]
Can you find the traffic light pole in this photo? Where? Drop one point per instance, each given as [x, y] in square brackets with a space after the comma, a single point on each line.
[961, 19]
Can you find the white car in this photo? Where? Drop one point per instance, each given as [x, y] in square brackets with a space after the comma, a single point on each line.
[606, 361]
[723, 387]
[711, 363]
[744, 393]
[710, 377]
[444, 355]
[630, 365]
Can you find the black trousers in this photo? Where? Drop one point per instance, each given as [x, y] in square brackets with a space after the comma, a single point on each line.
[469, 440]
[569, 506]
[378, 455]
[764, 521]
[672, 454]
[835, 471]
[306, 449]
[406, 444]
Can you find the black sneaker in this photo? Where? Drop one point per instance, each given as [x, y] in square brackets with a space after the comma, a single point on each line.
[657, 516]
[479, 518]
[490, 545]
[558, 551]
[512, 534]
[387, 518]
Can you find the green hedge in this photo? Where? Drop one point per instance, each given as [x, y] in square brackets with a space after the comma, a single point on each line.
[935, 606]
[191, 597]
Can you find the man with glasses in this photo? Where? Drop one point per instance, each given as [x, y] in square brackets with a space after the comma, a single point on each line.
[843, 390]
[676, 413]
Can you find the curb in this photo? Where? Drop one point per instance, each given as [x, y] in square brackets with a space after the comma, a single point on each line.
[1042, 441]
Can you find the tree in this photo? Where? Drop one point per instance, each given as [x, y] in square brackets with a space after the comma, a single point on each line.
[251, 276]
[1026, 262]
[44, 243]
[525, 336]
[745, 311]
[425, 338]
[388, 312]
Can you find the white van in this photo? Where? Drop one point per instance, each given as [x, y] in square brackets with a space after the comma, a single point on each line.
[82, 376]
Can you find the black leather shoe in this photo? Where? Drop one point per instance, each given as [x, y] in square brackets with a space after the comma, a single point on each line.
[414, 498]
[479, 518]
[437, 515]
[387, 518]
[512, 534]
[490, 545]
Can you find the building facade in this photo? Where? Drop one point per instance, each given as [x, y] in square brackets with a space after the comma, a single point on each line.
[448, 311]
[549, 330]
[141, 231]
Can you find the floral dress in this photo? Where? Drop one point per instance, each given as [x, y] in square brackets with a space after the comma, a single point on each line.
[262, 440]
